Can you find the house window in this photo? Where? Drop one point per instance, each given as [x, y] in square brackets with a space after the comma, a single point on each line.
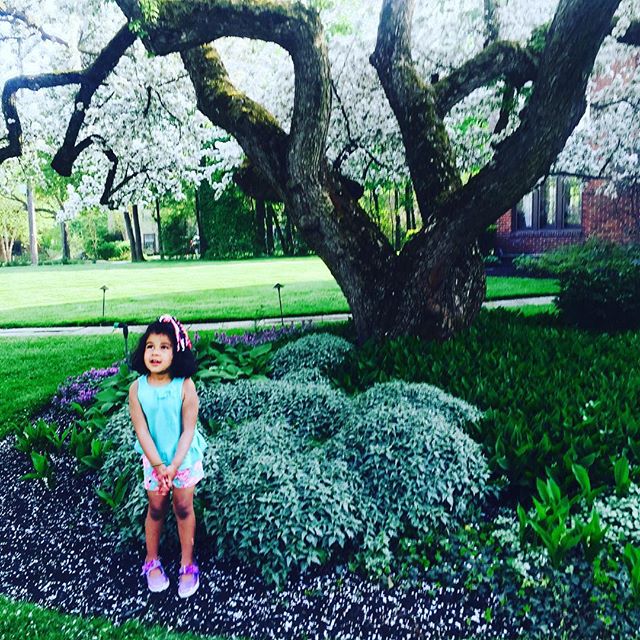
[572, 194]
[548, 204]
[524, 212]
[554, 204]
[149, 241]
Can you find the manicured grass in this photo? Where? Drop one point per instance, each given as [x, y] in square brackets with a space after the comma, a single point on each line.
[534, 309]
[24, 621]
[193, 291]
[31, 370]
[498, 288]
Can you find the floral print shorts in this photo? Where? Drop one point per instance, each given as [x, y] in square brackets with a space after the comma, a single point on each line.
[184, 479]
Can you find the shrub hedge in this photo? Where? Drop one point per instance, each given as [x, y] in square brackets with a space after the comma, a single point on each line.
[552, 395]
[599, 283]
[275, 503]
[313, 409]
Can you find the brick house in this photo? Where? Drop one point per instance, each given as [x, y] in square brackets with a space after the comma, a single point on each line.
[566, 210]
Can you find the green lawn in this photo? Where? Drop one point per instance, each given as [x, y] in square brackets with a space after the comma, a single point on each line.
[31, 370]
[193, 291]
[24, 621]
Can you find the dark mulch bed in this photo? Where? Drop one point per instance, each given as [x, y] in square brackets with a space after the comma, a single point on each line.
[55, 552]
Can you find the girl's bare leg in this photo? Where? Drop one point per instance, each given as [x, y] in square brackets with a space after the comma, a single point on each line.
[186, 519]
[158, 507]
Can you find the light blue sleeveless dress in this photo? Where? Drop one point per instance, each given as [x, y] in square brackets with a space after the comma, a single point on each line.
[162, 407]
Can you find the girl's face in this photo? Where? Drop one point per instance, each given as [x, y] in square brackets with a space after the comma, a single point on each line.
[158, 353]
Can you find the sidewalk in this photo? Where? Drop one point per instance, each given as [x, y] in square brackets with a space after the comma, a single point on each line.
[33, 332]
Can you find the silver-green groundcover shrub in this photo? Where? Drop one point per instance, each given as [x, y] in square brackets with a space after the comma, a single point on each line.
[304, 473]
[128, 515]
[318, 351]
[274, 502]
[313, 409]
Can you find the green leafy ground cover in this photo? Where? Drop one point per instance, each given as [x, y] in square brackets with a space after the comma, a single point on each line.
[71, 295]
[554, 395]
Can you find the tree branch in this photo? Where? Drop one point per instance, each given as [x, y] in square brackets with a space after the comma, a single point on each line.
[428, 149]
[353, 143]
[506, 60]
[89, 80]
[296, 28]
[92, 77]
[555, 108]
[13, 149]
[257, 131]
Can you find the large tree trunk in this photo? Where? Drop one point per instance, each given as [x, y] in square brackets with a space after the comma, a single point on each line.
[435, 285]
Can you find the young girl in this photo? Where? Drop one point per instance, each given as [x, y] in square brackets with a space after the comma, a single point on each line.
[164, 409]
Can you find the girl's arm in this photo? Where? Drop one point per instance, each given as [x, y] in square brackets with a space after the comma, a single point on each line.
[189, 418]
[141, 428]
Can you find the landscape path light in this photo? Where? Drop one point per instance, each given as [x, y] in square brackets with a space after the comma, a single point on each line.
[279, 286]
[104, 293]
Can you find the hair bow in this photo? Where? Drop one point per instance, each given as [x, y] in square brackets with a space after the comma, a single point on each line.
[182, 337]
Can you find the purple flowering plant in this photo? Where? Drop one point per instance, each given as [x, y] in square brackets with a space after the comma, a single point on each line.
[81, 389]
[262, 336]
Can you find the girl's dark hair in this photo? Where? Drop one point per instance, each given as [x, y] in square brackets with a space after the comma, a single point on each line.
[184, 362]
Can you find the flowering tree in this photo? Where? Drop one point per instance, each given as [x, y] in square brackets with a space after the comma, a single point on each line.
[474, 114]
[130, 128]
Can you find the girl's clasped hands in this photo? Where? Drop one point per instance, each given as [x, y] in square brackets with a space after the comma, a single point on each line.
[165, 475]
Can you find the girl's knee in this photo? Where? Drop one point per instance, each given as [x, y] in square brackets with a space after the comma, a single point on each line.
[157, 513]
[158, 508]
[182, 509]
[183, 503]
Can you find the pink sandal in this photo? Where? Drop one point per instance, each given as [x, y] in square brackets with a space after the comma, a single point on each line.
[191, 586]
[155, 583]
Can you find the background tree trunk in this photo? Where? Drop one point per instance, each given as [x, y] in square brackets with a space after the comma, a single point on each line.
[398, 225]
[269, 227]
[137, 234]
[260, 246]
[202, 235]
[408, 206]
[64, 238]
[159, 224]
[130, 236]
[33, 227]
[288, 233]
